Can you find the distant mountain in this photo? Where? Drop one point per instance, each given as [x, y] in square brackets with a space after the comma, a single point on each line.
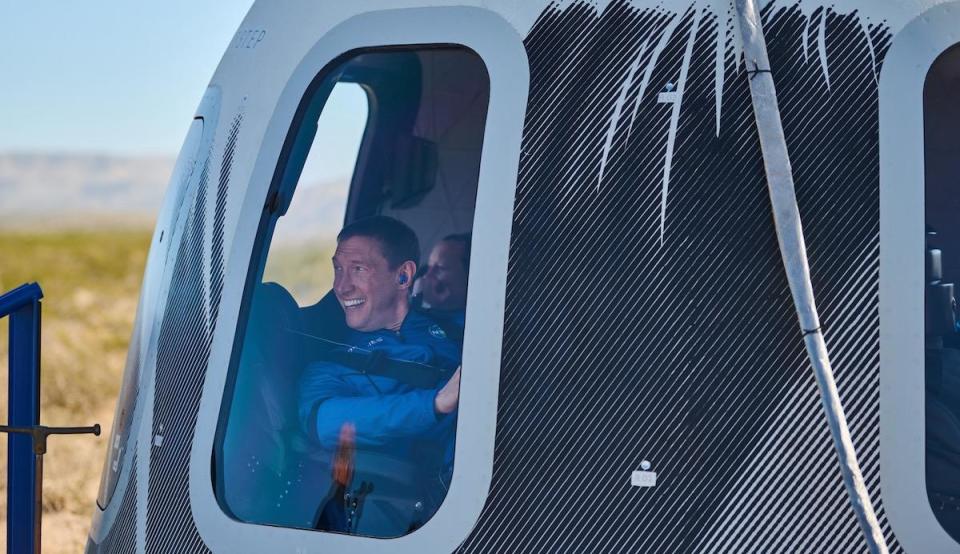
[74, 189]
[74, 186]
[316, 213]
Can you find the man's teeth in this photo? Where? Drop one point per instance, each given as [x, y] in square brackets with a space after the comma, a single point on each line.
[353, 302]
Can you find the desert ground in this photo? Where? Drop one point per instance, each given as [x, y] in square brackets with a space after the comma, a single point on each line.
[91, 280]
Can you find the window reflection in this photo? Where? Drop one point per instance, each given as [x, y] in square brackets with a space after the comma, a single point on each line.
[342, 410]
[303, 239]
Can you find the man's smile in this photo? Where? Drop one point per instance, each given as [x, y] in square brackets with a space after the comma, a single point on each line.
[353, 302]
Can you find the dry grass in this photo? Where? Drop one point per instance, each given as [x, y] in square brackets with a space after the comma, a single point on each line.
[91, 280]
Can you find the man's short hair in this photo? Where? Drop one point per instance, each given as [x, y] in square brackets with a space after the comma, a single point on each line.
[463, 239]
[397, 241]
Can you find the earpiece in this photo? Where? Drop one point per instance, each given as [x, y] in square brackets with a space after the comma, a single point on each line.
[402, 279]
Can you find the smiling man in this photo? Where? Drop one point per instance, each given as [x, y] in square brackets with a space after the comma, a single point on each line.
[383, 403]
[373, 266]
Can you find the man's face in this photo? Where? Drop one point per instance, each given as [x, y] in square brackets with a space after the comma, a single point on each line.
[368, 290]
[445, 284]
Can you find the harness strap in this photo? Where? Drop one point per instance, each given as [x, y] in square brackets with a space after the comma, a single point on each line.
[417, 375]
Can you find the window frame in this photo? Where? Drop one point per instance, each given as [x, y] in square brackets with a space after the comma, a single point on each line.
[501, 49]
[912, 54]
[284, 187]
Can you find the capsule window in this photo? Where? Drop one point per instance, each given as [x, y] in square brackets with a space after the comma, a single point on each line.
[941, 119]
[341, 407]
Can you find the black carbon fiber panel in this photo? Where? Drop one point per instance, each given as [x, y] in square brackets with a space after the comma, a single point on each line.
[181, 359]
[183, 351]
[648, 316]
[122, 536]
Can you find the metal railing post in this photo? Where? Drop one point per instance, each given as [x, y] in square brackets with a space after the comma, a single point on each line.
[26, 438]
[22, 306]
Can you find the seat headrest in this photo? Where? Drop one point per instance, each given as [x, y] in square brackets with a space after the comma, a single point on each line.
[325, 317]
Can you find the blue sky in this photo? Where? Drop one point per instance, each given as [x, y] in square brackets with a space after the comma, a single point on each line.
[107, 76]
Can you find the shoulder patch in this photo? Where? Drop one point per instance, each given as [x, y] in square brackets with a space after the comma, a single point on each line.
[437, 332]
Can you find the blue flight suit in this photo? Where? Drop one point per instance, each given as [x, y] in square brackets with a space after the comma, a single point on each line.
[449, 319]
[404, 449]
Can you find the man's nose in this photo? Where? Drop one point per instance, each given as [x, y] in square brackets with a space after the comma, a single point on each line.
[342, 284]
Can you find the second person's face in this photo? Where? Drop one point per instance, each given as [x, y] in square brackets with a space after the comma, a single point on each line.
[445, 284]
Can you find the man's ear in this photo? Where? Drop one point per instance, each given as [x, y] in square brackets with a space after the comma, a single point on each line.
[405, 274]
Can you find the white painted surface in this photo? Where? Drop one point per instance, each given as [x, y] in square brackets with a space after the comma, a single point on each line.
[902, 265]
[643, 479]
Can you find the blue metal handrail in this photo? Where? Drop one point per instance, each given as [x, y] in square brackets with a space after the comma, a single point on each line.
[24, 295]
[26, 438]
[22, 306]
